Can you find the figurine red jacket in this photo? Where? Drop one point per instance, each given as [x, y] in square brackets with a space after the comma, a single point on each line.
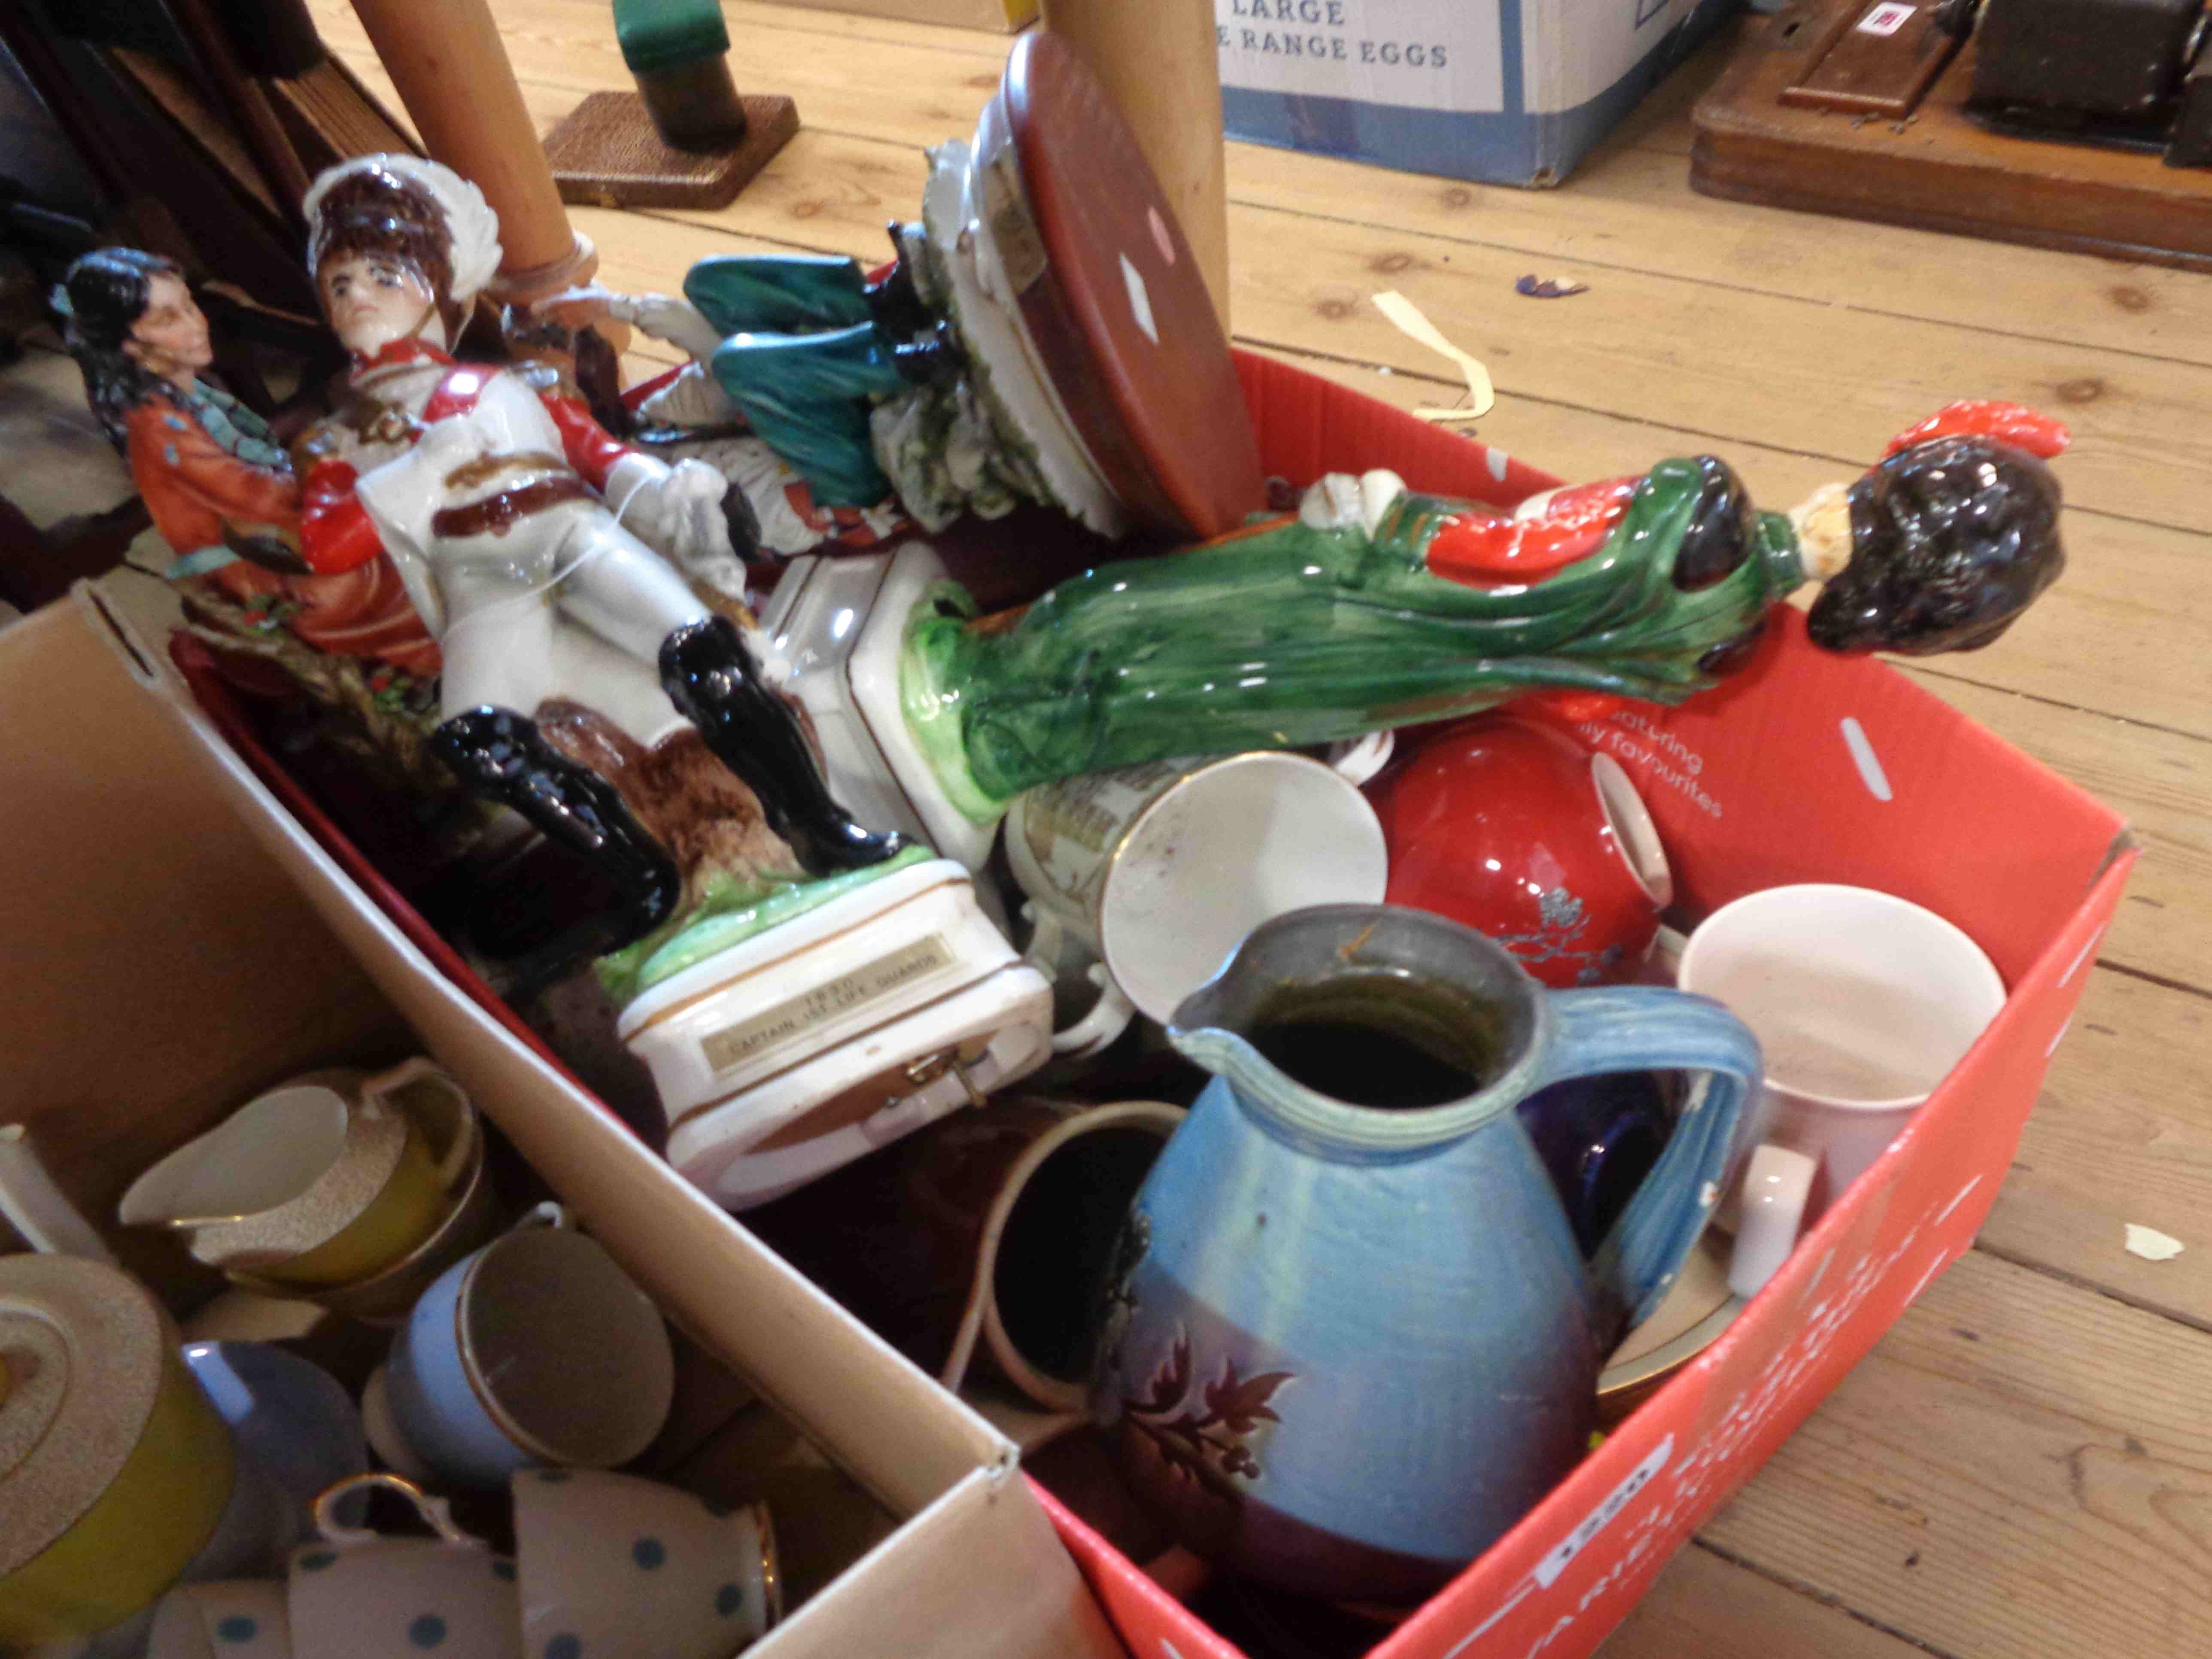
[337, 533]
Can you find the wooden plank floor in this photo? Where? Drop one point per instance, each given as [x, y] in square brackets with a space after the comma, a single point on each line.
[2023, 1469]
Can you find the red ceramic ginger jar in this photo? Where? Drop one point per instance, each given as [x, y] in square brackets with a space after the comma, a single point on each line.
[1509, 825]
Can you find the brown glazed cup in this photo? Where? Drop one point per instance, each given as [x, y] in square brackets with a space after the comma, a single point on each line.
[1054, 1183]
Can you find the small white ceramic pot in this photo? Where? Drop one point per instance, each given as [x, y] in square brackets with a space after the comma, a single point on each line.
[359, 1595]
[614, 1567]
[536, 1350]
[235, 1619]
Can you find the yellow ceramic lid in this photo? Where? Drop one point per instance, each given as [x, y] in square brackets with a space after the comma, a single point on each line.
[82, 1345]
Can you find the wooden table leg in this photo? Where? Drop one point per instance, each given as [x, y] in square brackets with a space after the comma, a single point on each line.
[445, 59]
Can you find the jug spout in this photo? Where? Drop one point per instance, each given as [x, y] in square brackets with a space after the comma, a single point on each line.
[1221, 1051]
[1366, 1026]
[264, 1154]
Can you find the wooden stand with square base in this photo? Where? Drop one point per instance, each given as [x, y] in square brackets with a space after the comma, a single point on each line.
[1938, 170]
[608, 154]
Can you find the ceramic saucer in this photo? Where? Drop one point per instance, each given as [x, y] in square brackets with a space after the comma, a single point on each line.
[1691, 1320]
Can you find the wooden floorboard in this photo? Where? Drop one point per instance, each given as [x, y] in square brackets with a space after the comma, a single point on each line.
[2023, 1466]
[1707, 1606]
[2123, 1134]
[2021, 1469]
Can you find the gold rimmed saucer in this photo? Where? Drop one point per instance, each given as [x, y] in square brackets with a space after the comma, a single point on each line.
[1691, 1320]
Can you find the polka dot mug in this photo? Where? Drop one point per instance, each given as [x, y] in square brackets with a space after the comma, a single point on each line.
[356, 1594]
[614, 1567]
[233, 1618]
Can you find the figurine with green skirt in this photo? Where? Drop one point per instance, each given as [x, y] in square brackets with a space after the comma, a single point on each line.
[1377, 607]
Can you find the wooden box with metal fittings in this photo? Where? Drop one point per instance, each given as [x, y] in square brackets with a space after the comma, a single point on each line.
[2081, 125]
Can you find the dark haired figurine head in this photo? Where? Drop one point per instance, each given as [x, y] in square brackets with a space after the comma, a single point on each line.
[129, 320]
[1951, 539]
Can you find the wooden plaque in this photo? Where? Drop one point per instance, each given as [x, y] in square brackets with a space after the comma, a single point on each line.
[1117, 303]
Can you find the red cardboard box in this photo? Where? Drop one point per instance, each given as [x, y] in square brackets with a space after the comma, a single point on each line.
[1806, 767]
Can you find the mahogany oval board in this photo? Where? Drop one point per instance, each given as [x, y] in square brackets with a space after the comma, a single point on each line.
[1119, 311]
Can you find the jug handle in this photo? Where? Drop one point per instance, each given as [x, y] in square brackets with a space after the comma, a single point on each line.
[385, 1084]
[1642, 1028]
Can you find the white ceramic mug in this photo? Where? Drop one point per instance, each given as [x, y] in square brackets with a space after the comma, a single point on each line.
[1862, 1002]
[359, 1595]
[1160, 871]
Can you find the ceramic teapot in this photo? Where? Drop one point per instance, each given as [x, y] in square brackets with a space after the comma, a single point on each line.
[1350, 1337]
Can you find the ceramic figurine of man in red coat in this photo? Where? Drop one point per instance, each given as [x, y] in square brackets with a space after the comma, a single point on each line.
[533, 544]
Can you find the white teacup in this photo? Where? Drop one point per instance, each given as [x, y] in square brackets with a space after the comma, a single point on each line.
[360, 1595]
[621, 1568]
[1159, 871]
[1862, 1002]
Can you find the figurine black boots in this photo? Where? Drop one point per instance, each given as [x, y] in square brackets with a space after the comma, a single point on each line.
[501, 756]
[710, 675]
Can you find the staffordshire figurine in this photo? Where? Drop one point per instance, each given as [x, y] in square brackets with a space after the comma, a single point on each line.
[552, 561]
[1043, 336]
[1377, 607]
[221, 492]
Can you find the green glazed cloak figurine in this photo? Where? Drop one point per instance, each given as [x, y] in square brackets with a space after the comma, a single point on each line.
[1377, 607]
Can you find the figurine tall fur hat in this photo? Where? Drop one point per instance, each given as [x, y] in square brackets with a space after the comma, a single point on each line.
[419, 207]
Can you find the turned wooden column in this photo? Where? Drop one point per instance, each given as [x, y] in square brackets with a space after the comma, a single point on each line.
[1159, 59]
[445, 57]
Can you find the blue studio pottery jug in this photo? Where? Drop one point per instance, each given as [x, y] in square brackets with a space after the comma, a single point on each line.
[1350, 1338]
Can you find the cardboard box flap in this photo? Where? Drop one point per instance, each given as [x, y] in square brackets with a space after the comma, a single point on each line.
[151, 1020]
[979, 1571]
[882, 1419]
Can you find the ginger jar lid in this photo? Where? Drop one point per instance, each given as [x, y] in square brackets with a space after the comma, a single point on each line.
[83, 1346]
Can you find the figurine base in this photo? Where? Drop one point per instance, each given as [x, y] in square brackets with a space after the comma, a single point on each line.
[836, 1033]
[608, 154]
